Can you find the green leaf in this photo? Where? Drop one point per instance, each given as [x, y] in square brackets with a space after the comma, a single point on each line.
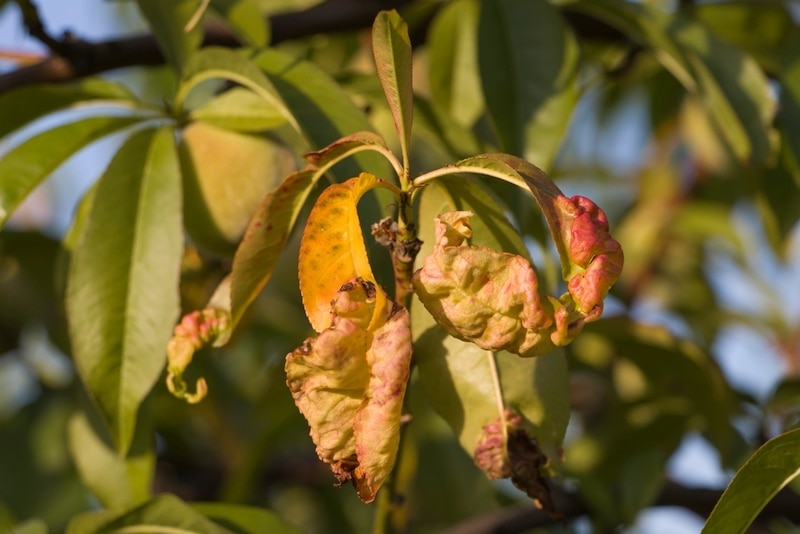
[392, 49]
[763, 475]
[457, 376]
[245, 19]
[165, 514]
[117, 482]
[244, 519]
[528, 60]
[224, 64]
[168, 21]
[761, 29]
[270, 227]
[31, 526]
[21, 106]
[26, 165]
[122, 292]
[241, 110]
[790, 98]
[730, 84]
[322, 110]
[453, 61]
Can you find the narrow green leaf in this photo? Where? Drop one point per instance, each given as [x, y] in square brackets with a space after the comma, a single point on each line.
[224, 64]
[21, 106]
[122, 292]
[245, 19]
[764, 474]
[26, 165]
[453, 61]
[239, 109]
[168, 21]
[392, 49]
[528, 59]
[322, 110]
[244, 519]
[790, 98]
[164, 514]
[118, 483]
[457, 375]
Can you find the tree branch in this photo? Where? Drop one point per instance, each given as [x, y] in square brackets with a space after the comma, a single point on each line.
[74, 58]
[701, 501]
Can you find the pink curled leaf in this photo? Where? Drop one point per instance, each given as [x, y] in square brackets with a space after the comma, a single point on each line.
[349, 383]
[595, 258]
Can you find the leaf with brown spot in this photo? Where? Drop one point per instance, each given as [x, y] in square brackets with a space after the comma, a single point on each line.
[332, 249]
[349, 383]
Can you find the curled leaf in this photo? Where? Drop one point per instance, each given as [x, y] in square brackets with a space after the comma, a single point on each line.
[196, 329]
[491, 453]
[482, 295]
[491, 298]
[595, 257]
[349, 383]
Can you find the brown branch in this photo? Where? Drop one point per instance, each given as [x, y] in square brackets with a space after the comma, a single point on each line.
[74, 58]
[77, 59]
[701, 501]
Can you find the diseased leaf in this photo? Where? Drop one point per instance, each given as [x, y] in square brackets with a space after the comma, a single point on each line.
[392, 49]
[456, 375]
[169, 23]
[332, 250]
[528, 59]
[485, 296]
[767, 471]
[28, 164]
[122, 292]
[21, 106]
[349, 383]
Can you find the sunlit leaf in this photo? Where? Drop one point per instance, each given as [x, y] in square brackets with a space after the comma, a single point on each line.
[31, 526]
[457, 376]
[322, 110]
[760, 29]
[118, 483]
[239, 109]
[765, 473]
[732, 87]
[21, 106]
[453, 61]
[270, 227]
[169, 23]
[245, 18]
[527, 59]
[244, 519]
[332, 250]
[122, 295]
[162, 514]
[349, 383]
[225, 176]
[28, 164]
[392, 49]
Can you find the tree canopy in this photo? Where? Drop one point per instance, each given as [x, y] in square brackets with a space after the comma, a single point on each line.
[491, 264]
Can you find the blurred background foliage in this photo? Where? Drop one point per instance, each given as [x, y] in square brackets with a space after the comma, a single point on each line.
[681, 119]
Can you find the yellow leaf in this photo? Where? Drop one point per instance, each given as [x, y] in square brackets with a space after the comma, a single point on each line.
[332, 250]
